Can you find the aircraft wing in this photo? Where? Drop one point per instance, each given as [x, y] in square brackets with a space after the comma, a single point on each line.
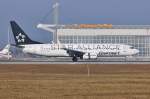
[74, 52]
[18, 46]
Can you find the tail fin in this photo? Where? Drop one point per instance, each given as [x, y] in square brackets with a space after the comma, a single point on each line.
[20, 36]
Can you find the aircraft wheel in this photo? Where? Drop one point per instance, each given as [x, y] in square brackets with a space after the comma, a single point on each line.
[81, 57]
[74, 59]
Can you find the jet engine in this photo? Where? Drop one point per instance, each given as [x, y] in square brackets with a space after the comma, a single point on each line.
[90, 56]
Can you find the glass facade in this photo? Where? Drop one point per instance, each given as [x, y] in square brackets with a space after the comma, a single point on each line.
[139, 42]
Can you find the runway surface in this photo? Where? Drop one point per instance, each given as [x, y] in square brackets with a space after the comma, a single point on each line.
[69, 61]
[60, 62]
[74, 63]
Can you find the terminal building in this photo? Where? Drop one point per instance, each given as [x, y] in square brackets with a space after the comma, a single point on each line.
[137, 36]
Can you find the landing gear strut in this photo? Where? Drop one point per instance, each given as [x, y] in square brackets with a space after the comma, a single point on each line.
[74, 59]
[81, 57]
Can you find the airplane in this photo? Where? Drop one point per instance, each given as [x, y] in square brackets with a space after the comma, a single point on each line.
[5, 53]
[82, 51]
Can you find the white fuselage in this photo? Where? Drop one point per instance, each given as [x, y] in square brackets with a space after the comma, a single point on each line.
[57, 50]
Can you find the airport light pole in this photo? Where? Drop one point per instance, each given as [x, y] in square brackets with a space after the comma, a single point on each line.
[53, 27]
[55, 8]
[8, 42]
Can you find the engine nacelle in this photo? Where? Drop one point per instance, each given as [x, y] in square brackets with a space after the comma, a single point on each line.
[90, 56]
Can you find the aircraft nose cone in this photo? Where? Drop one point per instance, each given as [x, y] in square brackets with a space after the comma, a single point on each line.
[136, 51]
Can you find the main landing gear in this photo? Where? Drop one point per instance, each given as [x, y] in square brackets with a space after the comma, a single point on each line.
[74, 59]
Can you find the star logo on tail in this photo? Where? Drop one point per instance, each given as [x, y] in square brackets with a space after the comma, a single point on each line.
[20, 38]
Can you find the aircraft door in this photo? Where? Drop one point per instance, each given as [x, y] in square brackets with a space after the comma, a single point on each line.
[124, 49]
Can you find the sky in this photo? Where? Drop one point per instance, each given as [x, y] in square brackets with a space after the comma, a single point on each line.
[28, 13]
